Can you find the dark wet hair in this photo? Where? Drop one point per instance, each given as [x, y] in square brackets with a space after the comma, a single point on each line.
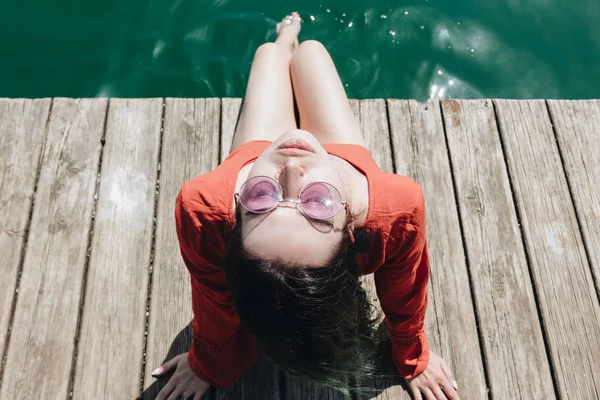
[313, 321]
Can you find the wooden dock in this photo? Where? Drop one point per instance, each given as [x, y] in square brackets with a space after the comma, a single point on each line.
[94, 294]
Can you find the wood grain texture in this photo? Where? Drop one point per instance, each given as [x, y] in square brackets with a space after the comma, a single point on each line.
[230, 110]
[557, 257]
[375, 128]
[577, 128]
[50, 290]
[420, 152]
[22, 134]
[190, 148]
[113, 323]
[516, 359]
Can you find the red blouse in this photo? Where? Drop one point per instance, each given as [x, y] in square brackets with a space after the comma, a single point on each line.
[222, 348]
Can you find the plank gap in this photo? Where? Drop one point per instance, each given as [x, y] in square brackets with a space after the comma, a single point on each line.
[389, 125]
[13, 305]
[484, 359]
[526, 252]
[575, 207]
[220, 156]
[152, 247]
[87, 257]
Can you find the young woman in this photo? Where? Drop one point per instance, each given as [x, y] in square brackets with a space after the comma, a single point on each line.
[276, 237]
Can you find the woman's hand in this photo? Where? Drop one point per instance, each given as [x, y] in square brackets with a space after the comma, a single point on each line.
[184, 381]
[436, 382]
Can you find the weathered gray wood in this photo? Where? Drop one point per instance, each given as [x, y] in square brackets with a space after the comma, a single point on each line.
[516, 360]
[22, 133]
[260, 382]
[554, 245]
[50, 290]
[376, 133]
[376, 124]
[577, 126]
[230, 109]
[420, 152]
[375, 128]
[299, 388]
[113, 323]
[190, 148]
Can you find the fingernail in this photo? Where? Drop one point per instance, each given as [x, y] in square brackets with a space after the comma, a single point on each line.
[156, 371]
[454, 385]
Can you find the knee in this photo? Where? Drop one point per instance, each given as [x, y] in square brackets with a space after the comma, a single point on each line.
[311, 46]
[307, 52]
[269, 50]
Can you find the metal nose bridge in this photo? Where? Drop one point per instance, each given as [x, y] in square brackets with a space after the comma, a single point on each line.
[295, 201]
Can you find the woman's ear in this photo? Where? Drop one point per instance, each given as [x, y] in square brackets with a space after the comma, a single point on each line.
[350, 227]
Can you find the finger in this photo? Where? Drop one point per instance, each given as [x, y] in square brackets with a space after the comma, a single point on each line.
[439, 393]
[162, 395]
[175, 393]
[428, 394]
[447, 371]
[416, 392]
[450, 391]
[169, 365]
[198, 396]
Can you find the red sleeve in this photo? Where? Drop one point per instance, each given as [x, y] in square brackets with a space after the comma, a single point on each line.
[402, 290]
[222, 349]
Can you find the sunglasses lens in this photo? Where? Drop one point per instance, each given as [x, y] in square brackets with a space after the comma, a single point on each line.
[259, 194]
[321, 200]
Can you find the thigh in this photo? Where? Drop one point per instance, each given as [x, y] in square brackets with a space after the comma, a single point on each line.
[268, 106]
[322, 102]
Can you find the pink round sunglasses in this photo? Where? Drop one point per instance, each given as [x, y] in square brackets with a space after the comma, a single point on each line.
[318, 200]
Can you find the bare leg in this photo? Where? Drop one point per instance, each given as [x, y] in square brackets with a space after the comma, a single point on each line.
[268, 108]
[322, 102]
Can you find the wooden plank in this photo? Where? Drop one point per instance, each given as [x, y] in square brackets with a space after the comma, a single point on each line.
[577, 124]
[517, 364]
[22, 135]
[190, 148]
[230, 110]
[559, 266]
[260, 382]
[113, 323]
[420, 152]
[374, 125]
[375, 129]
[50, 290]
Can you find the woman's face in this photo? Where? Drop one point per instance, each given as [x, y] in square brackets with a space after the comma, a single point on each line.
[285, 234]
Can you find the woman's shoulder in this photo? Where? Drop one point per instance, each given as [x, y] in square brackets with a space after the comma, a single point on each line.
[398, 195]
[200, 205]
[210, 196]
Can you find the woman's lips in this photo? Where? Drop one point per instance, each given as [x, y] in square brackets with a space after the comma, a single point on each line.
[297, 144]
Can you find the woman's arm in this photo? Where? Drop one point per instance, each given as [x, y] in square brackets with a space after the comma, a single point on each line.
[402, 289]
[222, 350]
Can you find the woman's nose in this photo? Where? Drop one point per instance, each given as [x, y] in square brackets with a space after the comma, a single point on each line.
[291, 179]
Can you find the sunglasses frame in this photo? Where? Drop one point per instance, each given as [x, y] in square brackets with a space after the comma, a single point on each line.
[297, 201]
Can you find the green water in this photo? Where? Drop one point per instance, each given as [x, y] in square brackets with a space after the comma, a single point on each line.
[402, 49]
